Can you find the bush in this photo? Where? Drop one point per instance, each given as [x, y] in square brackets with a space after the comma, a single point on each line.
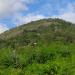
[66, 54]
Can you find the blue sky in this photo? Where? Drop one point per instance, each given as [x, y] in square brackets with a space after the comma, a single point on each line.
[17, 12]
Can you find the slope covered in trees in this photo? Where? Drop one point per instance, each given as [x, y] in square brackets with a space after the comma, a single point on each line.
[44, 47]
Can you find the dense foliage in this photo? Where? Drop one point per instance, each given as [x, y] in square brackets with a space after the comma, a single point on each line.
[44, 47]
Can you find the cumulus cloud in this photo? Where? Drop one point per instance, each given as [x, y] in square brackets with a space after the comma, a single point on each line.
[13, 6]
[3, 28]
[68, 15]
[10, 8]
[18, 20]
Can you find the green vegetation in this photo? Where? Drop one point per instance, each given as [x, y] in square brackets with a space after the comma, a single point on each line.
[44, 47]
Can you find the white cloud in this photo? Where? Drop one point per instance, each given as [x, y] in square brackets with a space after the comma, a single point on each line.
[13, 6]
[19, 20]
[3, 28]
[68, 14]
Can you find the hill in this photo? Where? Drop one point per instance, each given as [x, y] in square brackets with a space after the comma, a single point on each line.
[43, 47]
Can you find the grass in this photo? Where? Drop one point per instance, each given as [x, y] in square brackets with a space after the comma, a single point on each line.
[39, 60]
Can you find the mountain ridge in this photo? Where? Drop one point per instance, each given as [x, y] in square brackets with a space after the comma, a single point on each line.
[28, 25]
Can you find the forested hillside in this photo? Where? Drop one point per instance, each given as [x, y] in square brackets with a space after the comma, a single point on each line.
[43, 47]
